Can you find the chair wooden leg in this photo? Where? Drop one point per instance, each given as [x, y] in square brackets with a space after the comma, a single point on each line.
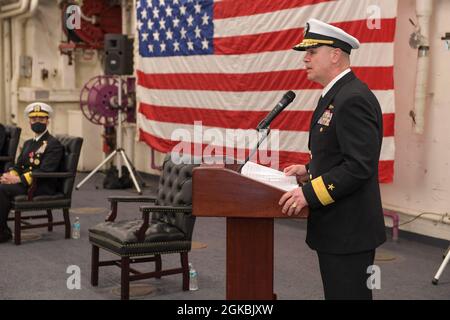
[17, 221]
[94, 265]
[67, 222]
[125, 279]
[158, 265]
[50, 220]
[185, 266]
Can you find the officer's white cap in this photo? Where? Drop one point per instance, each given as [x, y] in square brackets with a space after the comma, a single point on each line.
[318, 33]
[38, 109]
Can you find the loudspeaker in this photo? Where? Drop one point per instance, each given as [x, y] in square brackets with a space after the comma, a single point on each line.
[118, 54]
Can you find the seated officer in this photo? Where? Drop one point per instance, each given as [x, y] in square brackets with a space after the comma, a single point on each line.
[43, 153]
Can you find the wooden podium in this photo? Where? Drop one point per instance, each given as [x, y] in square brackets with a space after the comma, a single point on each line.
[250, 208]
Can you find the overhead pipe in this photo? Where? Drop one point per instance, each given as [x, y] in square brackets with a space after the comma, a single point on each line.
[2, 109]
[17, 28]
[424, 9]
[124, 6]
[11, 6]
[8, 12]
[6, 82]
[22, 7]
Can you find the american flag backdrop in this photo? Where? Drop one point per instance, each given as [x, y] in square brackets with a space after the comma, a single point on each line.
[227, 63]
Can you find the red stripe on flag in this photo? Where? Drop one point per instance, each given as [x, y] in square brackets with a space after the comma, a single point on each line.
[287, 120]
[386, 168]
[166, 145]
[286, 39]
[377, 78]
[388, 124]
[257, 43]
[239, 8]
[365, 32]
[386, 171]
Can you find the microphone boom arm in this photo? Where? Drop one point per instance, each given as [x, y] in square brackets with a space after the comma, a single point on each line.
[264, 136]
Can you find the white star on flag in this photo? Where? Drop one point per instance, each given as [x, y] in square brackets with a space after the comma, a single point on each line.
[205, 19]
[205, 44]
[198, 8]
[169, 11]
[190, 45]
[197, 32]
[190, 20]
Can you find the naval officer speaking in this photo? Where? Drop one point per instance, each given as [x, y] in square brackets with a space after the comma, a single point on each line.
[346, 222]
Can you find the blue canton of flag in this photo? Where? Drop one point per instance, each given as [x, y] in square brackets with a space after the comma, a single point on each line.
[175, 27]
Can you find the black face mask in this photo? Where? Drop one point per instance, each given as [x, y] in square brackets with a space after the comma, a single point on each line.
[38, 127]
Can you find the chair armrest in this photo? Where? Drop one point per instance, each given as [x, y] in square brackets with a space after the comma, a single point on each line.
[46, 175]
[39, 175]
[166, 209]
[116, 199]
[146, 210]
[6, 158]
[132, 198]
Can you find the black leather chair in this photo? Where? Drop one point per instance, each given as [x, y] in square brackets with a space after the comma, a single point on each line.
[61, 200]
[9, 150]
[166, 227]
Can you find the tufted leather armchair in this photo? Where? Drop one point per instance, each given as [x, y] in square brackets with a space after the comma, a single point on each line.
[8, 154]
[61, 200]
[166, 227]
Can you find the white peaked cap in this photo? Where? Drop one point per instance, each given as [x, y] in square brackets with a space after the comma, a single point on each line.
[318, 33]
[38, 109]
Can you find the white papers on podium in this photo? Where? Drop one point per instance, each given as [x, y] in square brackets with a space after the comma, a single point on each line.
[269, 176]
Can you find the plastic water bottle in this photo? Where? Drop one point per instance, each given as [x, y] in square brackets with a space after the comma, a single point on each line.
[76, 229]
[193, 278]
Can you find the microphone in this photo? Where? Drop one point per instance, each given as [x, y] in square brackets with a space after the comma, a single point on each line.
[287, 99]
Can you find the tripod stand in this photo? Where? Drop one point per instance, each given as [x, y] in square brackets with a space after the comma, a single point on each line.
[118, 151]
[442, 267]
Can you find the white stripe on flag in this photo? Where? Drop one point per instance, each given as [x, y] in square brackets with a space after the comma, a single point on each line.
[306, 100]
[330, 12]
[369, 54]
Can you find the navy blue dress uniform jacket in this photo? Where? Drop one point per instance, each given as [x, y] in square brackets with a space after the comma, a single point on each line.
[44, 155]
[343, 194]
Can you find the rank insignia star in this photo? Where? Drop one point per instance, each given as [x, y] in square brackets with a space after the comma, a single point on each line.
[331, 187]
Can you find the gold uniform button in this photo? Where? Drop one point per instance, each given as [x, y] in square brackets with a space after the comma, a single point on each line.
[321, 129]
[310, 176]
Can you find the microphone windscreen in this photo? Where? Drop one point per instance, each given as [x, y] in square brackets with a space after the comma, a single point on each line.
[290, 95]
